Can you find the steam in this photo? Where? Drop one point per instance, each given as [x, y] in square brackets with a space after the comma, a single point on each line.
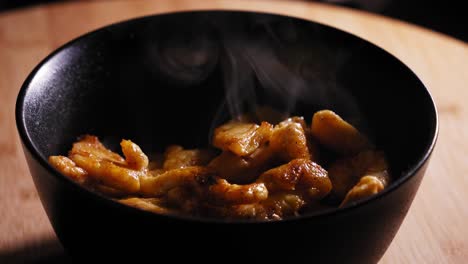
[185, 54]
[253, 72]
[263, 60]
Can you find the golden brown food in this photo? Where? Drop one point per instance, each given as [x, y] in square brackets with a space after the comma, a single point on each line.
[176, 157]
[106, 167]
[68, 168]
[263, 171]
[241, 138]
[338, 135]
[300, 175]
[224, 192]
[366, 187]
[134, 157]
[345, 173]
[289, 141]
[156, 186]
[276, 207]
[91, 146]
[239, 169]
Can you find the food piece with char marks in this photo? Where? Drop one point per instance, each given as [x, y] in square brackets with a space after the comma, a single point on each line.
[241, 138]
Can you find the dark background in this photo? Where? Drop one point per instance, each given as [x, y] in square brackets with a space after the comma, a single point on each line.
[446, 16]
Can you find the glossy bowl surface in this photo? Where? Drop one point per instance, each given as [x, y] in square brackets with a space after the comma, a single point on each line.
[170, 78]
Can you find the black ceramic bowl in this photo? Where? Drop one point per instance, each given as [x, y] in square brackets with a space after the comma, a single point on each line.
[170, 78]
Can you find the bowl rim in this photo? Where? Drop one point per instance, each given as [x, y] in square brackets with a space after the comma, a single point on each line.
[29, 145]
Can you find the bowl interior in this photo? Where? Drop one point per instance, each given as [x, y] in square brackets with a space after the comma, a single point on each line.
[170, 79]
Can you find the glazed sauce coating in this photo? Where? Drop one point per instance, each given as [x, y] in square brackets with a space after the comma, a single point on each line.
[260, 171]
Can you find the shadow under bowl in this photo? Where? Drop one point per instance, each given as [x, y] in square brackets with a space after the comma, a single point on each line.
[170, 78]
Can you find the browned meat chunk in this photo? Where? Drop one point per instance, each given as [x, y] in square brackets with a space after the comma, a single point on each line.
[68, 168]
[298, 175]
[240, 138]
[366, 187]
[109, 168]
[264, 172]
[238, 169]
[345, 173]
[159, 185]
[226, 193]
[176, 157]
[276, 207]
[336, 134]
[289, 142]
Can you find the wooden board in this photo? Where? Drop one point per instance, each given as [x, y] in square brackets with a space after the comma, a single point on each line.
[433, 232]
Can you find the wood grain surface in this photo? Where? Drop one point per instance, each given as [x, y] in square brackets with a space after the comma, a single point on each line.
[435, 229]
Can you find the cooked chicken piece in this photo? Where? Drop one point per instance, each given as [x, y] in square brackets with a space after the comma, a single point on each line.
[134, 156]
[238, 169]
[204, 183]
[91, 146]
[311, 141]
[185, 199]
[68, 168]
[109, 168]
[254, 211]
[110, 174]
[296, 119]
[155, 172]
[149, 204]
[367, 186]
[195, 177]
[382, 176]
[298, 175]
[223, 192]
[233, 168]
[336, 134]
[177, 157]
[244, 181]
[276, 207]
[345, 173]
[283, 205]
[289, 142]
[241, 139]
